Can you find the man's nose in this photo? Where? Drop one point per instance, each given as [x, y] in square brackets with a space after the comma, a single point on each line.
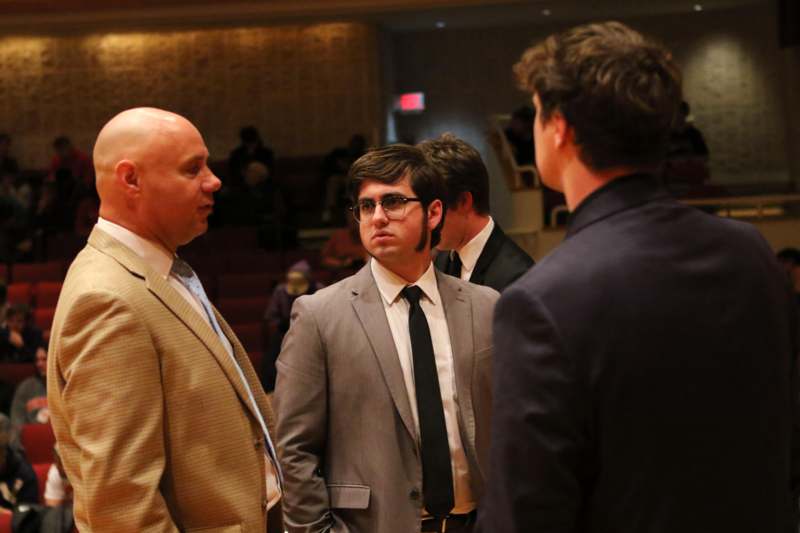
[212, 183]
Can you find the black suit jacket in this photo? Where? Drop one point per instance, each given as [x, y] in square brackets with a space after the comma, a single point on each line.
[501, 262]
[644, 377]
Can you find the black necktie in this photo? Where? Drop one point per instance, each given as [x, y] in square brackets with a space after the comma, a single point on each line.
[454, 265]
[437, 475]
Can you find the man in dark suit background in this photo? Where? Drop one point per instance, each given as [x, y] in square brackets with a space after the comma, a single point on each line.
[644, 371]
[473, 247]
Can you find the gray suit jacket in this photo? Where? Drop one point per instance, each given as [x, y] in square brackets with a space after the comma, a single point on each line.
[346, 438]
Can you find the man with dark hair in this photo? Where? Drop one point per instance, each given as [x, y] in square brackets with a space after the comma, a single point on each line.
[382, 397]
[474, 248]
[644, 373]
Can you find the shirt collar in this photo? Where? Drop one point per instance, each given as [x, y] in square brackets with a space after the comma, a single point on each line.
[470, 252]
[390, 284]
[159, 259]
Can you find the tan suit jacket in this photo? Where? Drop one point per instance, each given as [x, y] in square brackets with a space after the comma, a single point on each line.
[346, 437]
[152, 420]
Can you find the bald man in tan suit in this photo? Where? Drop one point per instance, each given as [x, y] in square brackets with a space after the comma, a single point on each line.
[160, 419]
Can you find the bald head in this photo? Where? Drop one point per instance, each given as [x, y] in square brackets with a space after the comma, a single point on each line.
[152, 175]
[135, 135]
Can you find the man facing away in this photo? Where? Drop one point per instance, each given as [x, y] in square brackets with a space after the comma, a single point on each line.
[382, 397]
[160, 419]
[644, 372]
[473, 247]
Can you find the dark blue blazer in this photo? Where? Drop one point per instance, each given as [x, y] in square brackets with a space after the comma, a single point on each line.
[644, 377]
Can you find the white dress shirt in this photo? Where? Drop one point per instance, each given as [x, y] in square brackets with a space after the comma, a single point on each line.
[397, 308]
[470, 252]
[160, 260]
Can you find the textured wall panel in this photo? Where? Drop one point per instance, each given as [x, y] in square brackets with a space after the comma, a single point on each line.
[307, 88]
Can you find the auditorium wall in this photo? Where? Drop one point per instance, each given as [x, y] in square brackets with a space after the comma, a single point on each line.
[736, 80]
[307, 88]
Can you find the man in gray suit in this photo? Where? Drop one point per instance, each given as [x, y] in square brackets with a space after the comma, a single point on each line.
[383, 390]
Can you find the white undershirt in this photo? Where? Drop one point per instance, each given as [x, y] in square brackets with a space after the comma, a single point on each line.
[396, 307]
[160, 260]
[471, 252]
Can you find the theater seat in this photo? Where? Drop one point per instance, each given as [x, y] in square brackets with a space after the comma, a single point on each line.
[41, 470]
[38, 440]
[250, 335]
[33, 272]
[20, 293]
[44, 317]
[5, 522]
[247, 285]
[47, 293]
[14, 373]
[242, 310]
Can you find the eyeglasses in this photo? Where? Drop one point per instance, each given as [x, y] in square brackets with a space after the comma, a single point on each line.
[393, 205]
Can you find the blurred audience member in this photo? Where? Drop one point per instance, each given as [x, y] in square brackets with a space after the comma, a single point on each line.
[251, 149]
[29, 405]
[344, 249]
[789, 258]
[520, 135]
[687, 156]
[334, 175]
[58, 490]
[17, 479]
[19, 338]
[278, 315]
[70, 163]
[86, 213]
[8, 165]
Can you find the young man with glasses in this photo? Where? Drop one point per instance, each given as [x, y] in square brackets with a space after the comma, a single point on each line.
[383, 390]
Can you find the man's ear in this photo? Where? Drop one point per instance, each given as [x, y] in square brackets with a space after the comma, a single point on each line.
[434, 214]
[127, 177]
[563, 132]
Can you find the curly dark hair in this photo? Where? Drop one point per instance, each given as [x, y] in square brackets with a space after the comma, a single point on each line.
[619, 91]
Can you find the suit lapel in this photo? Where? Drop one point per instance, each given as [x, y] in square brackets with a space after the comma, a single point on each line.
[490, 250]
[178, 306]
[368, 305]
[458, 313]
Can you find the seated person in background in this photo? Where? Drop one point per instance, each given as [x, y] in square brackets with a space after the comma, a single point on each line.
[687, 156]
[29, 405]
[57, 490]
[520, 135]
[334, 175]
[17, 479]
[19, 338]
[251, 149]
[789, 258]
[8, 165]
[70, 159]
[278, 315]
[343, 248]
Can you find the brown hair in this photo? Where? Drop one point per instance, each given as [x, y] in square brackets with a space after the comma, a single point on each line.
[462, 169]
[391, 164]
[618, 91]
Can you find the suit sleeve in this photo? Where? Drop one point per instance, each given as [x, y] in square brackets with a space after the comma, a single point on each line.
[114, 408]
[537, 438]
[300, 401]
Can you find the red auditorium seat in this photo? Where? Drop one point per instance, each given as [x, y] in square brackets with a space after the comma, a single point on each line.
[254, 262]
[255, 358]
[32, 272]
[38, 440]
[250, 335]
[41, 470]
[43, 317]
[243, 310]
[247, 285]
[5, 522]
[47, 293]
[14, 373]
[20, 293]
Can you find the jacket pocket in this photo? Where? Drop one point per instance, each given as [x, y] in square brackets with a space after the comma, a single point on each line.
[221, 529]
[348, 496]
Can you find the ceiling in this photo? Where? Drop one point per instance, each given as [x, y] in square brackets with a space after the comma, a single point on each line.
[49, 16]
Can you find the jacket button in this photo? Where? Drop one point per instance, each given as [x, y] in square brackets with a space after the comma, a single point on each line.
[414, 494]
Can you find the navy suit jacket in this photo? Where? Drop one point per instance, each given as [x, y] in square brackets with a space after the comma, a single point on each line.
[644, 377]
[501, 262]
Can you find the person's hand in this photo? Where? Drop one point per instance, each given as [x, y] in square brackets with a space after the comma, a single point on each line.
[15, 338]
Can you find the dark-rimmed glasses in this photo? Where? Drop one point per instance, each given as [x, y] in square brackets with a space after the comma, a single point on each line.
[393, 205]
